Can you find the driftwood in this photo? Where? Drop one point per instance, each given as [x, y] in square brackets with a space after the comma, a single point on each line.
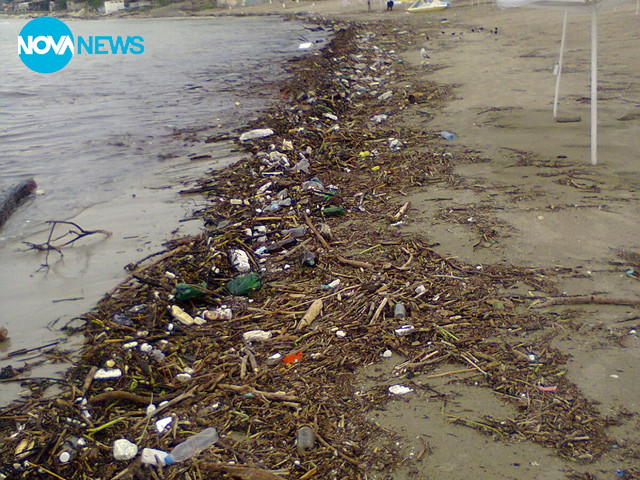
[14, 197]
[70, 237]
[586, 300]
[244, 473]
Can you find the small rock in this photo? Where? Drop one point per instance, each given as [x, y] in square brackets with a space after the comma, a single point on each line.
[123, 449]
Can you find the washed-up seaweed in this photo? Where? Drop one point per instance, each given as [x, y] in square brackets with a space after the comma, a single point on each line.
[331, 169]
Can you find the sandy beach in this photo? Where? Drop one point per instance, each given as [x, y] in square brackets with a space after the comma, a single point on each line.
[509, 215]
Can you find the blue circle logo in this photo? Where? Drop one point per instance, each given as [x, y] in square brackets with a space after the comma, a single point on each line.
[45, 45]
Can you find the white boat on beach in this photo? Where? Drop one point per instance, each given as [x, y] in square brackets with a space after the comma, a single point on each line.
[425, 6]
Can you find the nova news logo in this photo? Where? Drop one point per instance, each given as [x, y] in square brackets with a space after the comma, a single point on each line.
[46, 45]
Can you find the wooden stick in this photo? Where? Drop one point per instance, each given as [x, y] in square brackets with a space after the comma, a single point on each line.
[161, 408]
[401, 212]
[243, 472]
[315, 231]
[340, 454]
[88, 380]
[268, 395]
[175, 251]
[353, 263]
[586, 300]
[453, 372]
[383, 303]
[292, 251]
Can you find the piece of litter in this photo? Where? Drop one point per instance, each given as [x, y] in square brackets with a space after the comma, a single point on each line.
[108, 374]
[257, 133]
[448, 135]
[380, 118]
[400, 389]
[404, 330]
[274, 359]
[152, 456]
[163, 424]
[387, 354]
[552, 388]
[293, 358]
[256, 336]
[123, 449]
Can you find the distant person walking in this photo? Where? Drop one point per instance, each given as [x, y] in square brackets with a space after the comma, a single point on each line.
[390, 6]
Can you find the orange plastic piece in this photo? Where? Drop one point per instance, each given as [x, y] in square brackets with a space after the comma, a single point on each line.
[293, 358]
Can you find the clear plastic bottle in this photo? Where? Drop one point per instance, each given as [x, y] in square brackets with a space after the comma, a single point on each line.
[192, 446]
[399, 311]
[306, 439]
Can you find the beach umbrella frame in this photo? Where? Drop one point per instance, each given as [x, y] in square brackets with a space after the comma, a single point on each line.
[592, 6]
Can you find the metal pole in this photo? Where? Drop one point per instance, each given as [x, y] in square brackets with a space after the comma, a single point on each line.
[594, 86]
[559, 72]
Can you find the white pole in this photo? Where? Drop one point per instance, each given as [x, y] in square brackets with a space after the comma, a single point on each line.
[559, 72]
[594, 86]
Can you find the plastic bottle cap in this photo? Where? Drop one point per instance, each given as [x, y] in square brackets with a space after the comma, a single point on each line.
[168, 460]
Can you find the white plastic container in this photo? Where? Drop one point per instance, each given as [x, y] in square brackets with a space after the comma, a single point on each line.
[192, 446]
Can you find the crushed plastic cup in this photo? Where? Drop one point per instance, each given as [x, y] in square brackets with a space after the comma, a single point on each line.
[256, 336]
[404, 330]
[107, 374]
[448, 135]
[305, 439]
[220, 313]
[240, 260]
[257, 133]
[180, 315]
[400, 389]
[163, 424]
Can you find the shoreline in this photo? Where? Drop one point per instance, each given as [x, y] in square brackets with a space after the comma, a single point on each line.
[142, 218]
[388, 260]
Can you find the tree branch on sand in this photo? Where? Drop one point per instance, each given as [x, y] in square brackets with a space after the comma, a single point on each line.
[71, 236]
